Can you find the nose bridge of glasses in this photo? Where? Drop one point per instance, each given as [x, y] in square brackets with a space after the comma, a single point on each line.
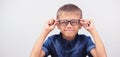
[69, 22]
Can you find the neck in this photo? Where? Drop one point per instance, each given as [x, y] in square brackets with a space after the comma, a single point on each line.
[68, 38]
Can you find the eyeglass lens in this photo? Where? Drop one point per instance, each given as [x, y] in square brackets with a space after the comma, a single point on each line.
[73, 22]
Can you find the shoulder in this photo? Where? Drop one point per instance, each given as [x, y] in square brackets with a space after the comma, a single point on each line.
[51, 39]
[83, 37]
[54, 37]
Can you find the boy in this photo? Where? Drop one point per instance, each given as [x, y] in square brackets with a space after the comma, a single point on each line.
[69, 43]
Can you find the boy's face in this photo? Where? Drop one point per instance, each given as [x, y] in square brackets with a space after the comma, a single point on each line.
[69, 25]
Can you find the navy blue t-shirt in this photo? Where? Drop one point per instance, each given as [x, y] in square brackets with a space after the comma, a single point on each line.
[56, 46]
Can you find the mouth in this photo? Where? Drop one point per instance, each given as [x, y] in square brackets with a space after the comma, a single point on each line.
[69, 30]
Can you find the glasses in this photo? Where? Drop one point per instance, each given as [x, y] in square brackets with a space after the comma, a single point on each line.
[73, 22]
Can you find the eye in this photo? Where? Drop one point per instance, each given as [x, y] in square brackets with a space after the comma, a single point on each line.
[63, 22]
[74, 21]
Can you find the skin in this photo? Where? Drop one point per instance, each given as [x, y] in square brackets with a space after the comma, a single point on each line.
[69, 33]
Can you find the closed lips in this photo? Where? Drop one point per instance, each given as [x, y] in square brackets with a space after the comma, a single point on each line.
[68, 30]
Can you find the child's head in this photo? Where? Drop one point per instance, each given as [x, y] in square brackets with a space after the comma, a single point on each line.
[69, 9]
[69, 17]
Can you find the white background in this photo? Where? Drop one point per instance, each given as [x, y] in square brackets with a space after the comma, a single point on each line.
[21, 22]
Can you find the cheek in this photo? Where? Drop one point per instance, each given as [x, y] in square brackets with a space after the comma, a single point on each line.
[77, 29]
[60, 28]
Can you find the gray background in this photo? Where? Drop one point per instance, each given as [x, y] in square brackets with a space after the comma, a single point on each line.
[21, 22]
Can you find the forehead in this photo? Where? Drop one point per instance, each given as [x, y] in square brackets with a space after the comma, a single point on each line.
[69, 15]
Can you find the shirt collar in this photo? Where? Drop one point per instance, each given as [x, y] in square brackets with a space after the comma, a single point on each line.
[66, 41]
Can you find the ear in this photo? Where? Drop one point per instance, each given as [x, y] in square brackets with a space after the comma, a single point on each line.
[80, 26]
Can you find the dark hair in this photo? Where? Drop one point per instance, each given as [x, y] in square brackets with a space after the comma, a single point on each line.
[69, 8]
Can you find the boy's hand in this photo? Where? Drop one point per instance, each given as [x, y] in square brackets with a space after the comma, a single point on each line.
[50, 25]
[87, 24]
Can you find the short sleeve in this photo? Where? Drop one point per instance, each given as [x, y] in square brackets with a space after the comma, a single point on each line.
[46, 47]
[90, 46]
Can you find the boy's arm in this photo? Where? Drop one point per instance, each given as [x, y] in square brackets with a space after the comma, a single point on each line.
[99, 51]
[37, 49]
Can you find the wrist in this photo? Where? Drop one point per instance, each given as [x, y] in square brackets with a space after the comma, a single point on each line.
[45, 31]
[93, 31]
[43, 35]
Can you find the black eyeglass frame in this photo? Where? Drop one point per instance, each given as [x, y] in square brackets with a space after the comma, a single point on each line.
[73, 22]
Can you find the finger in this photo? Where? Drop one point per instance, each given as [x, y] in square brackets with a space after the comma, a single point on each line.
[87, 23]
[51, 22]
[82, 21]
[55, 23]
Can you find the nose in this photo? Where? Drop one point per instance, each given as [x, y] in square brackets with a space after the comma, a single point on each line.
[69, 25]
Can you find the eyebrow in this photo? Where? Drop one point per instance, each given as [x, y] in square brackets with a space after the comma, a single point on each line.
[71, 19]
